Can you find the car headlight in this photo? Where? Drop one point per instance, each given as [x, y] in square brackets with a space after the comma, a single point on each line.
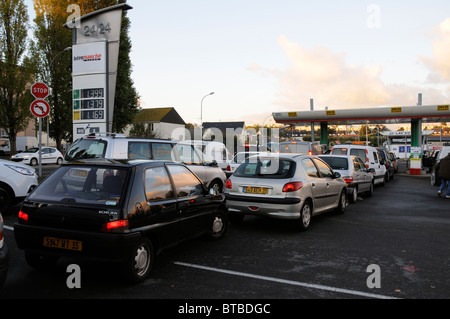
[22, 170]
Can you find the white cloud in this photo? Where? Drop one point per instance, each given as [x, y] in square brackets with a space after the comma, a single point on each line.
[325, 76]
[439, 64]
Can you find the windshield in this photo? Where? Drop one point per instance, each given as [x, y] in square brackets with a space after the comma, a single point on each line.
[86, 148]
[82, 185]
[338, 163]
[266, 168]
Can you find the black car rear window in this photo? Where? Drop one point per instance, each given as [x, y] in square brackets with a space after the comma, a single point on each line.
[273, 168]
[336, 162]
[83, 185]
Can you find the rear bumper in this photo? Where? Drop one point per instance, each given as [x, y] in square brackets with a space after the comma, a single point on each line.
[98, 246]
[282, 208]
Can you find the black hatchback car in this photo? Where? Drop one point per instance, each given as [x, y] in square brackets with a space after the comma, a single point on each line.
[122, 211]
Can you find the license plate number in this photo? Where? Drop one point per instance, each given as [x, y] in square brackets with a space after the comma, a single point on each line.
[63, 243]
[256, 190]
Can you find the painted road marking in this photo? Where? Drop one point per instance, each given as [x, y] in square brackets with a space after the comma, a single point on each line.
[288, 282]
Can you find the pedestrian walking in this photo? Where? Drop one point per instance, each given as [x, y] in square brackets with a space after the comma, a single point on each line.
[443, 166]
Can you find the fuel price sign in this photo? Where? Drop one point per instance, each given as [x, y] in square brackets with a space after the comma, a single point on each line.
[89, 105]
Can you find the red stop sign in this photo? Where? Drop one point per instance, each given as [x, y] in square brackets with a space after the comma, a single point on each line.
[40, 90]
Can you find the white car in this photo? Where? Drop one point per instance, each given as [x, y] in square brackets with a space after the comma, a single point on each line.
[50, 155]
[16, 182]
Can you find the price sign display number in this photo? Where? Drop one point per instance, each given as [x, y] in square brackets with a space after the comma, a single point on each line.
[89, 115]
[89, 104]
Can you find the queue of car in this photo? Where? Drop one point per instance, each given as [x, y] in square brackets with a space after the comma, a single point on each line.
[125, 200]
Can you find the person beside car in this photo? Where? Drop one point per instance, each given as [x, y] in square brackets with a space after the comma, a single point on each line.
[444, 172]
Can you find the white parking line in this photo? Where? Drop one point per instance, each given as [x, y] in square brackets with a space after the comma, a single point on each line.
[288, 282]
[8, 228]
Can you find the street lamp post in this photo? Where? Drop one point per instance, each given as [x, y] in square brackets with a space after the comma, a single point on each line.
[201, 111]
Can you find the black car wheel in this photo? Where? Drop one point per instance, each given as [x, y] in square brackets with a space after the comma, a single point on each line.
[33, 162]
[5, 199]
[140, 262]
[219, 226]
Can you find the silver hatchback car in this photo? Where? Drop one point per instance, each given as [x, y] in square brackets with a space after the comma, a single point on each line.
[285, 186]
[359, 179]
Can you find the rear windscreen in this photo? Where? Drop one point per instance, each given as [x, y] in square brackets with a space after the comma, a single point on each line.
[85, 148]
[294, 148]
[361, 153]
[336, 162]
[82, 185]
[266, 168]
[339, 151]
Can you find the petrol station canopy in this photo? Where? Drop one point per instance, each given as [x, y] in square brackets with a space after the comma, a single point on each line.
[374, 116]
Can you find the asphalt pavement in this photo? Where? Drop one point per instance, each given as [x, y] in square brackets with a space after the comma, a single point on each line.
[391, 245]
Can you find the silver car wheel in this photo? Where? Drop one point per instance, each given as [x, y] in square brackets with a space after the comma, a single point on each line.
[305, 218]
[354, 195]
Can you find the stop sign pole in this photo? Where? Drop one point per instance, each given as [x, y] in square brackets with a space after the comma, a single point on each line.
[40, 109]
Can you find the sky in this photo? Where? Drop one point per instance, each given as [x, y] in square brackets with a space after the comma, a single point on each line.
[265, 56]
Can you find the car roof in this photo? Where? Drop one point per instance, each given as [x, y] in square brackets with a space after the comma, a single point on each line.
[282, 155]
[332, 155]
[119, 162]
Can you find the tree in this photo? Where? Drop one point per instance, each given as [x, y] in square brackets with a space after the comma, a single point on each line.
[16, 69]
[56, 64]
[142, 130]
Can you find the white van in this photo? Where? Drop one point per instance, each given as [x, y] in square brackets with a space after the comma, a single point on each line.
[213, 151]
[23, 143]
[368, 154]
[117, 146]
[300, 147]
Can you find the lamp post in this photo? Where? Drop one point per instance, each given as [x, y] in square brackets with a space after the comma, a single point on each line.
[201, 111]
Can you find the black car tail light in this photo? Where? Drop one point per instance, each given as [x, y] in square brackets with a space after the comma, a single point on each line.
[115, 226]
[23, 217]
